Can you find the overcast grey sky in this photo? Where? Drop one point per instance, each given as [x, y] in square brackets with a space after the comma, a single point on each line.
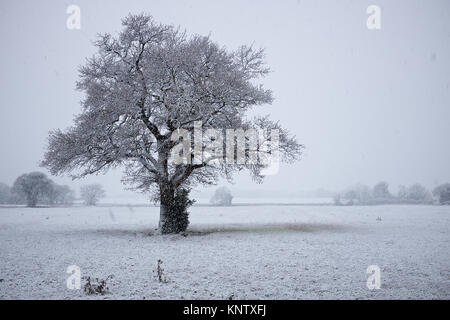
[369, 105]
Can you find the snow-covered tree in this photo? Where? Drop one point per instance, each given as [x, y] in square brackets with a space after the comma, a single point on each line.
[145, 85]
[32, 187]
[419, 193]
[443, 193]
[381, 191]
[5, 193]
[222, 197]
[358, 194]
[61, 194]
[91, 193]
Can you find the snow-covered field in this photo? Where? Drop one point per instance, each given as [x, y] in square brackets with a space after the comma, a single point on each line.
[261, 252]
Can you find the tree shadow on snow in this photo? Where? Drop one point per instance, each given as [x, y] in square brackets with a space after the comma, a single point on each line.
[274, 227]
[138, 233]
[202, 230]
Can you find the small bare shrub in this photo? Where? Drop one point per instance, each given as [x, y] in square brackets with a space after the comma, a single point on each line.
[160, 272]
[96, 285]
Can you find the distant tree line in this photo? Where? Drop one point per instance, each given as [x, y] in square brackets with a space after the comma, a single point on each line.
[361, 194]
[36, 188]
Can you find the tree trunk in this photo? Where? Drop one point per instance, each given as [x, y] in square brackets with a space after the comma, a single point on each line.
[166, 223]
[32, 201]
[172, 217]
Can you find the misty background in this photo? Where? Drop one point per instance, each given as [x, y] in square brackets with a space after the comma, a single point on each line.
[369, 105]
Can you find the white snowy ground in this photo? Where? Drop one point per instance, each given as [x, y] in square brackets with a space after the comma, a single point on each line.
[262, 252]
